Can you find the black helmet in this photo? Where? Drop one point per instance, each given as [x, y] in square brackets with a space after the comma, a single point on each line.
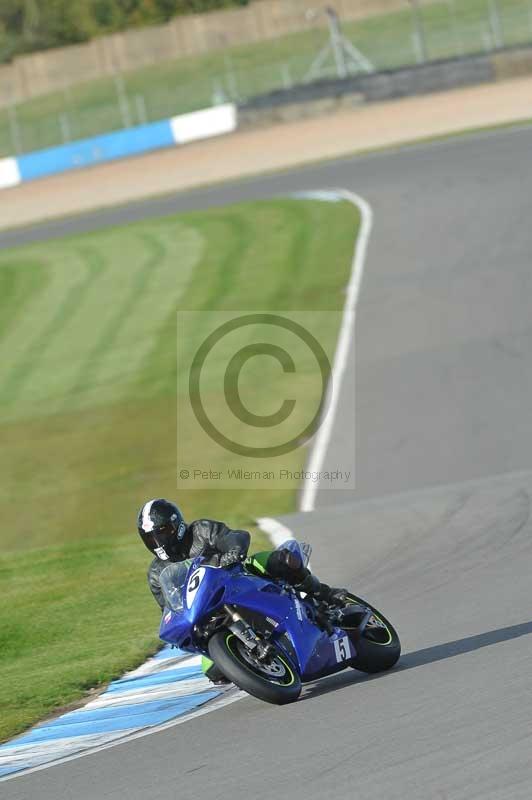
[162, 528]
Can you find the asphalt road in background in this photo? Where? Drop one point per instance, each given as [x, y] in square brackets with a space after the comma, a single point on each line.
[443, 399]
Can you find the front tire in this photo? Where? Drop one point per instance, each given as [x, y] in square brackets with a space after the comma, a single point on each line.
[276, 682]
[378, 648]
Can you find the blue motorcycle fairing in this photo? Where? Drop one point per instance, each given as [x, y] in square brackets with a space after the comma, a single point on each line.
[205, 589]
[311, 645]
[210, 594]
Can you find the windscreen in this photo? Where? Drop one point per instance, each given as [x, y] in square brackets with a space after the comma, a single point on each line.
[301, 548]
[173, 579]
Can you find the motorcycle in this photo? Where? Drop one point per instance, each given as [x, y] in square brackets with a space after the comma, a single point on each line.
[264, 635]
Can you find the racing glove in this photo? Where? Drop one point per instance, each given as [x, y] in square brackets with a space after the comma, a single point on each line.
[321, 591]
[234, 556]
[311, 585]
[335, 597]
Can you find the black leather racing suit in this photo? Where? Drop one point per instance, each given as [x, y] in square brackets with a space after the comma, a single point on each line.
[204, 537]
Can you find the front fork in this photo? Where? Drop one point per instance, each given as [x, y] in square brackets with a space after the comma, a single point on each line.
[243, 631]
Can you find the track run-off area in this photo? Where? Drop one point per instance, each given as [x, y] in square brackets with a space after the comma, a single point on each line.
[438, 532]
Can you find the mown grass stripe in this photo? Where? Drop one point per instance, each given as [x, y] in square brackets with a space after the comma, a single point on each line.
[149, 311]
[29, 330]
[63, 358]
[23, 369]
[147, 292]
[21, 282]
[297, 217]
[108, 330]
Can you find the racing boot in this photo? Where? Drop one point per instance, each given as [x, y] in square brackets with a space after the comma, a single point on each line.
[211, 671]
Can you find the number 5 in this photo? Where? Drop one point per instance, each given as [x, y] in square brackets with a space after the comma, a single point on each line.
[342, 649]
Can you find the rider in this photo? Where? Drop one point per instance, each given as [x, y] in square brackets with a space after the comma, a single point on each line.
[166, 534]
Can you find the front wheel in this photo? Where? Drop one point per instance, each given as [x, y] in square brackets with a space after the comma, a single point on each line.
[378, 647]
[274, 681]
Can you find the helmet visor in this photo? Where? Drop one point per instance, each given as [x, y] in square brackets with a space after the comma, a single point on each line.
[164, 541]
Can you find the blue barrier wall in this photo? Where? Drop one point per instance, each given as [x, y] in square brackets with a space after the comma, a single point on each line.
[202, 124]
[87, 152]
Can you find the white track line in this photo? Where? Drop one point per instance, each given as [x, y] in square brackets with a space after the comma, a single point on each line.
[277, 532]
[321, 442]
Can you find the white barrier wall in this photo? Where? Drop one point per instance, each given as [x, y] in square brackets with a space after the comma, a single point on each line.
[202, 124]
[9, 173]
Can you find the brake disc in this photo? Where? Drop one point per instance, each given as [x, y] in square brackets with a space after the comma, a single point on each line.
[275, 668]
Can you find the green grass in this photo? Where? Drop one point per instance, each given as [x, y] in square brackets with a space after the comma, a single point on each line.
[88, 391]
[453, 27]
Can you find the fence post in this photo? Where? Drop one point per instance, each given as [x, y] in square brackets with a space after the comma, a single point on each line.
[218, 95]
[417, 47]
[420, 35]
[123, 103]
[487, 38]
[140, 105]
[286, 75]
[64, 127]
[336, 42]
[495, 23]
[458, 44]
[14, 129]
[230, 78]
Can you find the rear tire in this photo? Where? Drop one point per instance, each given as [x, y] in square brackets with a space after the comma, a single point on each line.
[280, 685]
[378, 648]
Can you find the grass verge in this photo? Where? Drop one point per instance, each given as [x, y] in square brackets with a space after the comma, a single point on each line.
[88, 409]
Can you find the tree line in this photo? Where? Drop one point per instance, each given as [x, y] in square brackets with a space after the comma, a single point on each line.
[29, 25]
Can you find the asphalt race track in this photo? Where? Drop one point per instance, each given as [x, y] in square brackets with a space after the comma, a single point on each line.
[438, 534]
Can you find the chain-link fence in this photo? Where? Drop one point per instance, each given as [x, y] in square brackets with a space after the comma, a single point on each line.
[421, 31]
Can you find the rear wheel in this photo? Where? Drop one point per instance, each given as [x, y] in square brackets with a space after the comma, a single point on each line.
[273, 680]
[378, 647]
